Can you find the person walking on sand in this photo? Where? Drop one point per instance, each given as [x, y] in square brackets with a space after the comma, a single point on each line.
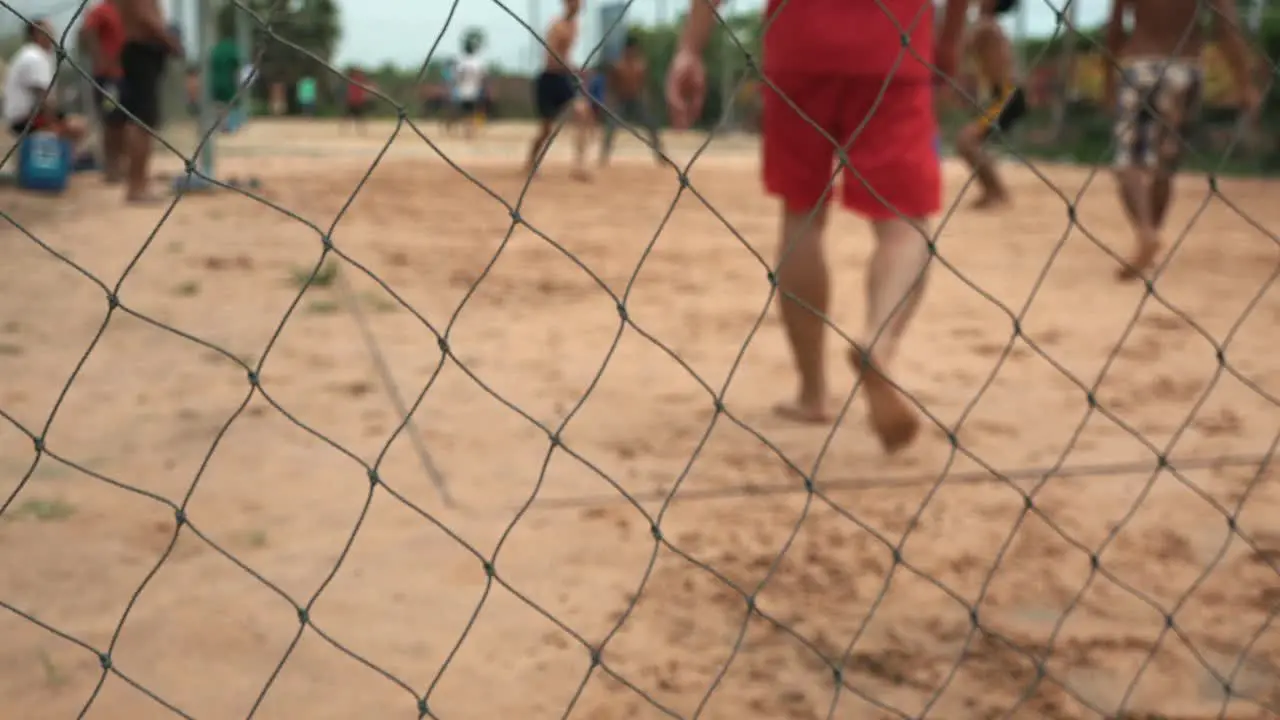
[839, 69]
[627, 79]
[1160, 82]
[993, 56]
[555, 90]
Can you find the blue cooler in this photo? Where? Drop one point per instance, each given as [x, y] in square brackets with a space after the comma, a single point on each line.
[44, 163]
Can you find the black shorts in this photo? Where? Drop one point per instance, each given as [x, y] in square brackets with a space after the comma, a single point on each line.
[552, 92]
[355, 110]
[143, 65]
[1007, 107]
[468, 107]
[106, 105]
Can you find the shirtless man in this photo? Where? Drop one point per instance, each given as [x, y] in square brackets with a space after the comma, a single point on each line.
[627, 80]
[148, 43]
[1160, 80]
[555, 89]
[837, 69]
[993, 55]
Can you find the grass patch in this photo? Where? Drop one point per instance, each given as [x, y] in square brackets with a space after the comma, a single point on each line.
[44, 510]
[323, 307]
[324, 277]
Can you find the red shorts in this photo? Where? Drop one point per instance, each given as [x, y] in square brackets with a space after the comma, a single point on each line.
[895, 166]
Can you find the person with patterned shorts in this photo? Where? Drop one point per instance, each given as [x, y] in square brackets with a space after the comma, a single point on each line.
[842, 81]
[1156, 94]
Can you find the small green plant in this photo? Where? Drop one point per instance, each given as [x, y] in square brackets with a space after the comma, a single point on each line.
[53, 677]
[256, 539]
[379, 303]
[189, 288]
[44, 510]
[323, 307]
[324, 277]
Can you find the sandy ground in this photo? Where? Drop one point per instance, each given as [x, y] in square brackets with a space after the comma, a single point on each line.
[921, 583]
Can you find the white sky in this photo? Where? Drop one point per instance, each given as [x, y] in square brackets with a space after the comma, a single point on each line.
[402, 31]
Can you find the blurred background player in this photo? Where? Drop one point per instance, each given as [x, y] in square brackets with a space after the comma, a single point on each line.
[224, 76]
[597, 83]
[555, 90]
[356, 99]
[469, 81]
[839, 70]
[149, 44]
[1007, 103]
[102, 36]
[307, 88]
[1161, 80]
[628, 78]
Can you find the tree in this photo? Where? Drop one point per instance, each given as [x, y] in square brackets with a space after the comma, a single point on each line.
[312, 25]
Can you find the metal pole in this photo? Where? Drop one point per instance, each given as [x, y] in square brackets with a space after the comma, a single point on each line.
[244, 41]
[202, 42]
[1256, 12]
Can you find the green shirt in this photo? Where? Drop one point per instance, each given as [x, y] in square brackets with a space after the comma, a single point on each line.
[224, 71]
[307, 91]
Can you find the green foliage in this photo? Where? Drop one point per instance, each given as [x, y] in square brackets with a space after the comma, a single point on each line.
[314, 26]
[727, 59]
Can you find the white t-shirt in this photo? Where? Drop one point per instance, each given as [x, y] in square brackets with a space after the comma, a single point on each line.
[468, 78]
[30, 72]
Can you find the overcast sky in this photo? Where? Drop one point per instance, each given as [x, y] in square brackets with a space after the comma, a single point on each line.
[402, 31]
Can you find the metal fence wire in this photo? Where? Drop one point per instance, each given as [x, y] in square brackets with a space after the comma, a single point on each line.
[1034, 684]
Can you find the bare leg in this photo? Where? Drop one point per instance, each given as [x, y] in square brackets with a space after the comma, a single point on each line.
[651, 126]
[993, 192]
[606, 141]
[583, 123]
[1161, 191]
[895, 286]
[138, 149]
[113, 159]
[1136, 193]
[535, 153]
[802, 277]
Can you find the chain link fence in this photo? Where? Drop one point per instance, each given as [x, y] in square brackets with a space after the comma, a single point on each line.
[432, 439]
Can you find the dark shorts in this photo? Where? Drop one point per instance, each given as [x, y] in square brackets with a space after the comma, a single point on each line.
[356, 110]
[143, 66]
[468, 107]
[552, 92]
[1007, 107]
[106, 105]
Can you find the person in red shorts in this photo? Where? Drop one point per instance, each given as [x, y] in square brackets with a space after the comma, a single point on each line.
[102, 36]
[839, 74]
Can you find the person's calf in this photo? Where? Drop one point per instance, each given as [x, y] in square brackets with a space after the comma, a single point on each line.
[803, 303]
[992, 192]
[895, 288]
[1136, 193]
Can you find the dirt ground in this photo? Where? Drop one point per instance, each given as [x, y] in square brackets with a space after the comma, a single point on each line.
[917, 584]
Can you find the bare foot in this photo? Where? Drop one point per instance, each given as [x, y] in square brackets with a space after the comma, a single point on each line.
[801, 411]
[892, 418]
[1142, 261]
[990, 201]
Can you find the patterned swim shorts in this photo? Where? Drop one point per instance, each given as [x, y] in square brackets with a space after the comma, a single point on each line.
[1157, 99]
